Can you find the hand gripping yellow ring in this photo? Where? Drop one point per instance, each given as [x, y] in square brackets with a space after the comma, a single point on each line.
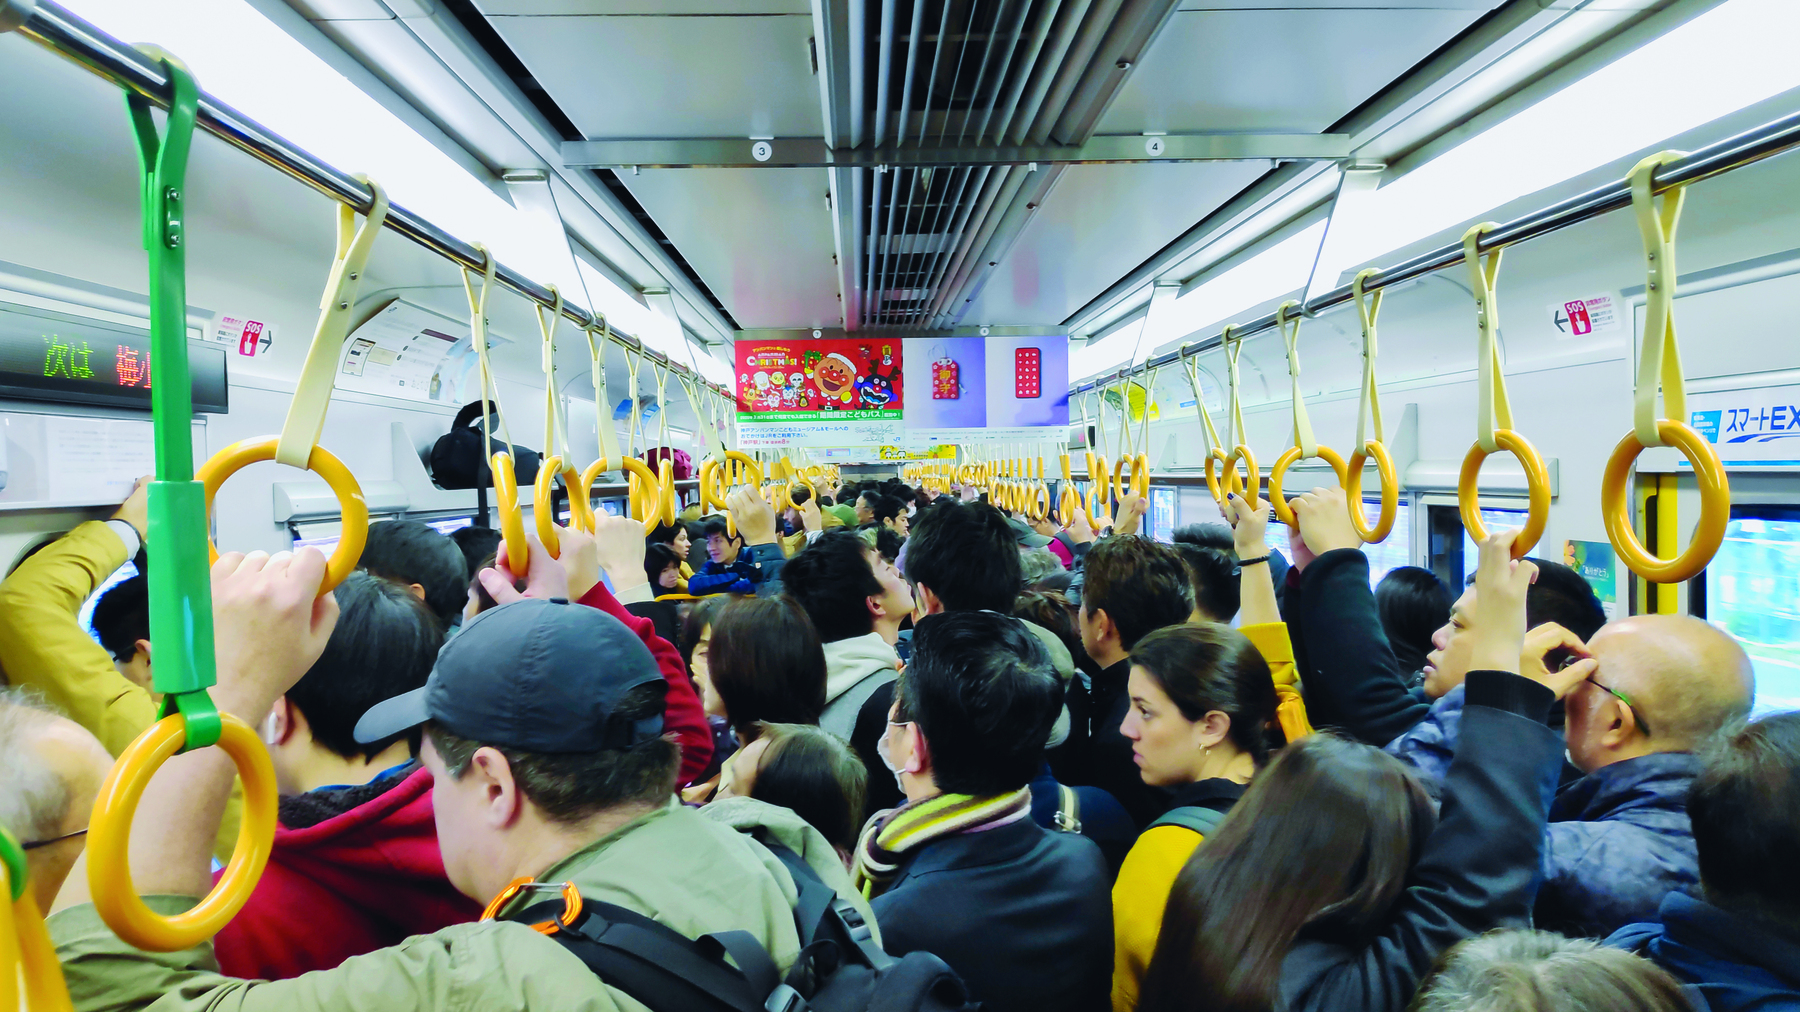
[1287, 460]
[109, 840]
[1715, 505]
[1390, 491]
[544, 504]
[322, 462]
[1537, 483]
[1099, 496]
[512, 519]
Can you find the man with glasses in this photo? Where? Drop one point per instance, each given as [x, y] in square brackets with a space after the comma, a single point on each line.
[1656, 688]
[53, 769]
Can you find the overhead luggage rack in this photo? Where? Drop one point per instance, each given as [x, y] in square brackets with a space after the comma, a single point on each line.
[56, 29]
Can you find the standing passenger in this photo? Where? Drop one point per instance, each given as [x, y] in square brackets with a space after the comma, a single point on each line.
[1021, 913]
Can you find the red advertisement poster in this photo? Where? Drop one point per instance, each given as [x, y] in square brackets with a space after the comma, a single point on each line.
[818, 380]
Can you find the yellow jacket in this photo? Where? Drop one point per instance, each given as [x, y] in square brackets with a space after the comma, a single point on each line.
[1142, 888]
[44, 647]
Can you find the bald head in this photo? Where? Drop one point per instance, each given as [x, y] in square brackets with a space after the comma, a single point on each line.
[54, 770]
[1687, 679]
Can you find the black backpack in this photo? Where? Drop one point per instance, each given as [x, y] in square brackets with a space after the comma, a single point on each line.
[840, 968]
[457, 460]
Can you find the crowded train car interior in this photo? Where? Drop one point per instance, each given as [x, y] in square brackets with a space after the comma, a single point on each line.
[1013, 504]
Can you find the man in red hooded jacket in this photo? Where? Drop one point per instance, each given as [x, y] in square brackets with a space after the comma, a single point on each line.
[355, 865]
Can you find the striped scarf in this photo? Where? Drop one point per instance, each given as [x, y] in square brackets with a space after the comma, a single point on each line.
[917, 823]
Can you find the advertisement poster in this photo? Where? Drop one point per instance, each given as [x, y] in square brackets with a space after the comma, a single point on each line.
[1759, 425]
[992, 389]
[1597, 564]
[829, 392]
[412, 352]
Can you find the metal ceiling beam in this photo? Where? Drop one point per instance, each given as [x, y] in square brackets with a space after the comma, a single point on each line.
[813, 152]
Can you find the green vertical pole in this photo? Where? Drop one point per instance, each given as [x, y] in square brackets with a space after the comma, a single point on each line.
[181, 628]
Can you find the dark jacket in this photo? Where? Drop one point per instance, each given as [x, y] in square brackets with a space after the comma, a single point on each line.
[757, 570]
[1105, 761]
[1734, 963]
[1022, 913]
[871, 723]
[1102, 819]
[1619, 837]
[1353, 682]
[1478, 870]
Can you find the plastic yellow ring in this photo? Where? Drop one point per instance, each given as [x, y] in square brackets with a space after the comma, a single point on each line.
[1715, 505]
[589, 521]
[1537, 483]
[512, 519]
[581, 511]
[800, 479]
[1390, 491]
[26, 951]
[645, 493]
[544, 504]
[109, 838]
[1233, 484]
[353, 508]
[1038, 506]
[1282, 511]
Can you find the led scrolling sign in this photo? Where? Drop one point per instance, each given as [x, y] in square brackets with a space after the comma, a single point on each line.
[49, 356]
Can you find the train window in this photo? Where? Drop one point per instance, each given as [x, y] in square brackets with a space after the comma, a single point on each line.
[1162, 514]
[1752, 590]
[1384, 556]
[86, 615]
[1451, 552]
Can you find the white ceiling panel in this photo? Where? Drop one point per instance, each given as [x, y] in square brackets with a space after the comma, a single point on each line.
[759, 238]
[639, 8]
[1099, 223]
[1333, 5]
[1284, 70]
[684, 76]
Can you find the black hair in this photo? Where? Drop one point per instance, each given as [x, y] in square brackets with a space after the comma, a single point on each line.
[832, 581]
[717, 525]
[1745, 807]
[982, 690]
[1413, 604]
[656, 559]
[887, 507]
[766, 664]
[904, 492]
[478, 544]
[1140, 584]
[825, 501]
[1214, 575]
[122, 617]
[1216, 536]
[665, 534]
[1205, 666]
[968, 555]
[694, 625]
[817, 776]
[888, 542]
[383, 646]
[1560, 595]
[407, 551]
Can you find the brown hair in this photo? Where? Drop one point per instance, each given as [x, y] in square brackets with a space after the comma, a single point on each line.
[816, 775]
[766, 664]
[1205, 666]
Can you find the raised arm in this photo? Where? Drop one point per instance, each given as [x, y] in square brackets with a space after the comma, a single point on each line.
[42, 643]
[1480, 866]
[1249, 524]
[1352, 680]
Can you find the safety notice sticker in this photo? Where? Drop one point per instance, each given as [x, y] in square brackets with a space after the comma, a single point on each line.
[1593, 315]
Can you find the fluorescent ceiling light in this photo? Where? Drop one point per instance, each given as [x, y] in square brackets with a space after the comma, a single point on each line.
[246, 61]
[1729, 58]
[1278, 270]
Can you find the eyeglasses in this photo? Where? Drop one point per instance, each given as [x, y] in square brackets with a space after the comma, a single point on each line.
[35, 844]
[1623, 698]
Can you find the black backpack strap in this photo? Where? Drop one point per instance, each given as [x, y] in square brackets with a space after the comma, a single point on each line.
[469, 413]
[821, 914]
[657, 966]
[1201, 820]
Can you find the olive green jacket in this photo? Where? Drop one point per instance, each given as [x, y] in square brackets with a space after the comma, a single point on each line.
[690, 872]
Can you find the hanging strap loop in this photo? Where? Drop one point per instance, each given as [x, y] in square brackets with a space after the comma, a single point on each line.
[1493, 412]
[1290, 336]
[555, 440]
[1368, 307]
[505, 478]
[1659, 360]
[306, 413]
